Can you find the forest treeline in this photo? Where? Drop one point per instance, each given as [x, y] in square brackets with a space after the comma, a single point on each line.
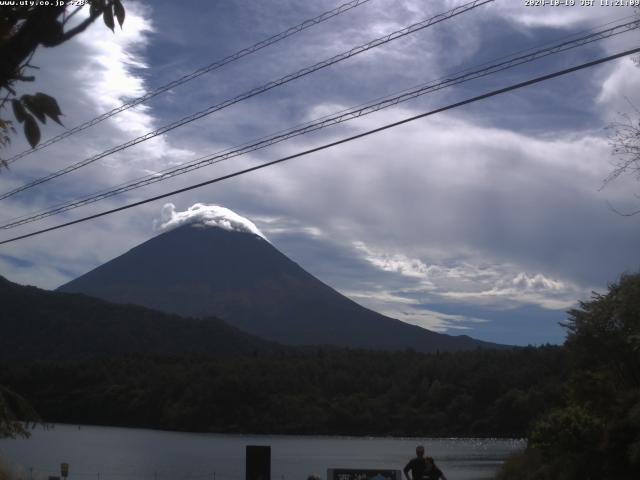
[349, 392]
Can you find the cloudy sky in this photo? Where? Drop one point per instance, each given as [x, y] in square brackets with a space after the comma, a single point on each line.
[488, 220]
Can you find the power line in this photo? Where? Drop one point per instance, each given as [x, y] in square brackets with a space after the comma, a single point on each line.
[134, 183]
[256, 91]
[340, 117]
[333, 144]
[195, 74]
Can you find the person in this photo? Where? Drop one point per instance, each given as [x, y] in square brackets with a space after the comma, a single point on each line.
[422, 468]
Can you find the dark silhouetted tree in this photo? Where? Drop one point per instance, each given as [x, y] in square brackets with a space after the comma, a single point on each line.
[596, 433]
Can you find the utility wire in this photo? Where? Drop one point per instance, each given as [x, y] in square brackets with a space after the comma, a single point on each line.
[514, 59]
[193, 75]
[256, 91]
[326, 121]
[333, 144]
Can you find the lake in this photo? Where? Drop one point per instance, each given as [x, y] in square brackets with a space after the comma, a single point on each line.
[105, 453]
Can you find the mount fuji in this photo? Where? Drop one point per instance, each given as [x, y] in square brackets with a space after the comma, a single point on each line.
[212, 262]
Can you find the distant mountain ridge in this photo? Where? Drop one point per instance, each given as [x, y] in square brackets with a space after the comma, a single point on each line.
[199, 271]
[40, 325]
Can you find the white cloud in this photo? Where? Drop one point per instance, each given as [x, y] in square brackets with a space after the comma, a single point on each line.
[275, 225]
[498, 285]
[114, 67]
[523, 289]
[563, 16]
[408, 310]
[207, 215]
[47, 276]
[434, 320]
[380, 296]
[537, 282]
[619, 88]
[397, 262]
[114, 59]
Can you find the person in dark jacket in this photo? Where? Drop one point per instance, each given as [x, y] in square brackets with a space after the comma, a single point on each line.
[422, 468]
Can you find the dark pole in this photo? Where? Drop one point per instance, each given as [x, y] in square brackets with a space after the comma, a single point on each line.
[258, 462]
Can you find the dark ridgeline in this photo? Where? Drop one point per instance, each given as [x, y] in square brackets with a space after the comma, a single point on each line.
[199, 271]
[39, 325]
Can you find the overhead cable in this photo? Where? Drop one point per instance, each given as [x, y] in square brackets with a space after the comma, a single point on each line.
[327, 121]
[493, 93]
[256, 91]
[193, 75]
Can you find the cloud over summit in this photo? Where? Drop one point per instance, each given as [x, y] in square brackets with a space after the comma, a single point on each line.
[207, 215]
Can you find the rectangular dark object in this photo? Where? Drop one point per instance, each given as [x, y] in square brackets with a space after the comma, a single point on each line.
[258, 463]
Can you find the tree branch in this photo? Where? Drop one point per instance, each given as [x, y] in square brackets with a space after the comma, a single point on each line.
[68, 17]
[622, 214]
[69, 34]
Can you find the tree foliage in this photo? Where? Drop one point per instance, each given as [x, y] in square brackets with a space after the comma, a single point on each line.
[24, 28]
[16, 414]
[596, 432]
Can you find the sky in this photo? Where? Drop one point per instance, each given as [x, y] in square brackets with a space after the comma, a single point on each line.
[489, 220]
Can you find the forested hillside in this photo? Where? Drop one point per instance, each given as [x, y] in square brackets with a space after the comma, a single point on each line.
[53, 326]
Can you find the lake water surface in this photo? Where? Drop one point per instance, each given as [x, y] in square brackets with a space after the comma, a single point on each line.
[104, 453]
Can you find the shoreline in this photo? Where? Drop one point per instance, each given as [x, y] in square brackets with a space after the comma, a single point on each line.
[80, 426]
